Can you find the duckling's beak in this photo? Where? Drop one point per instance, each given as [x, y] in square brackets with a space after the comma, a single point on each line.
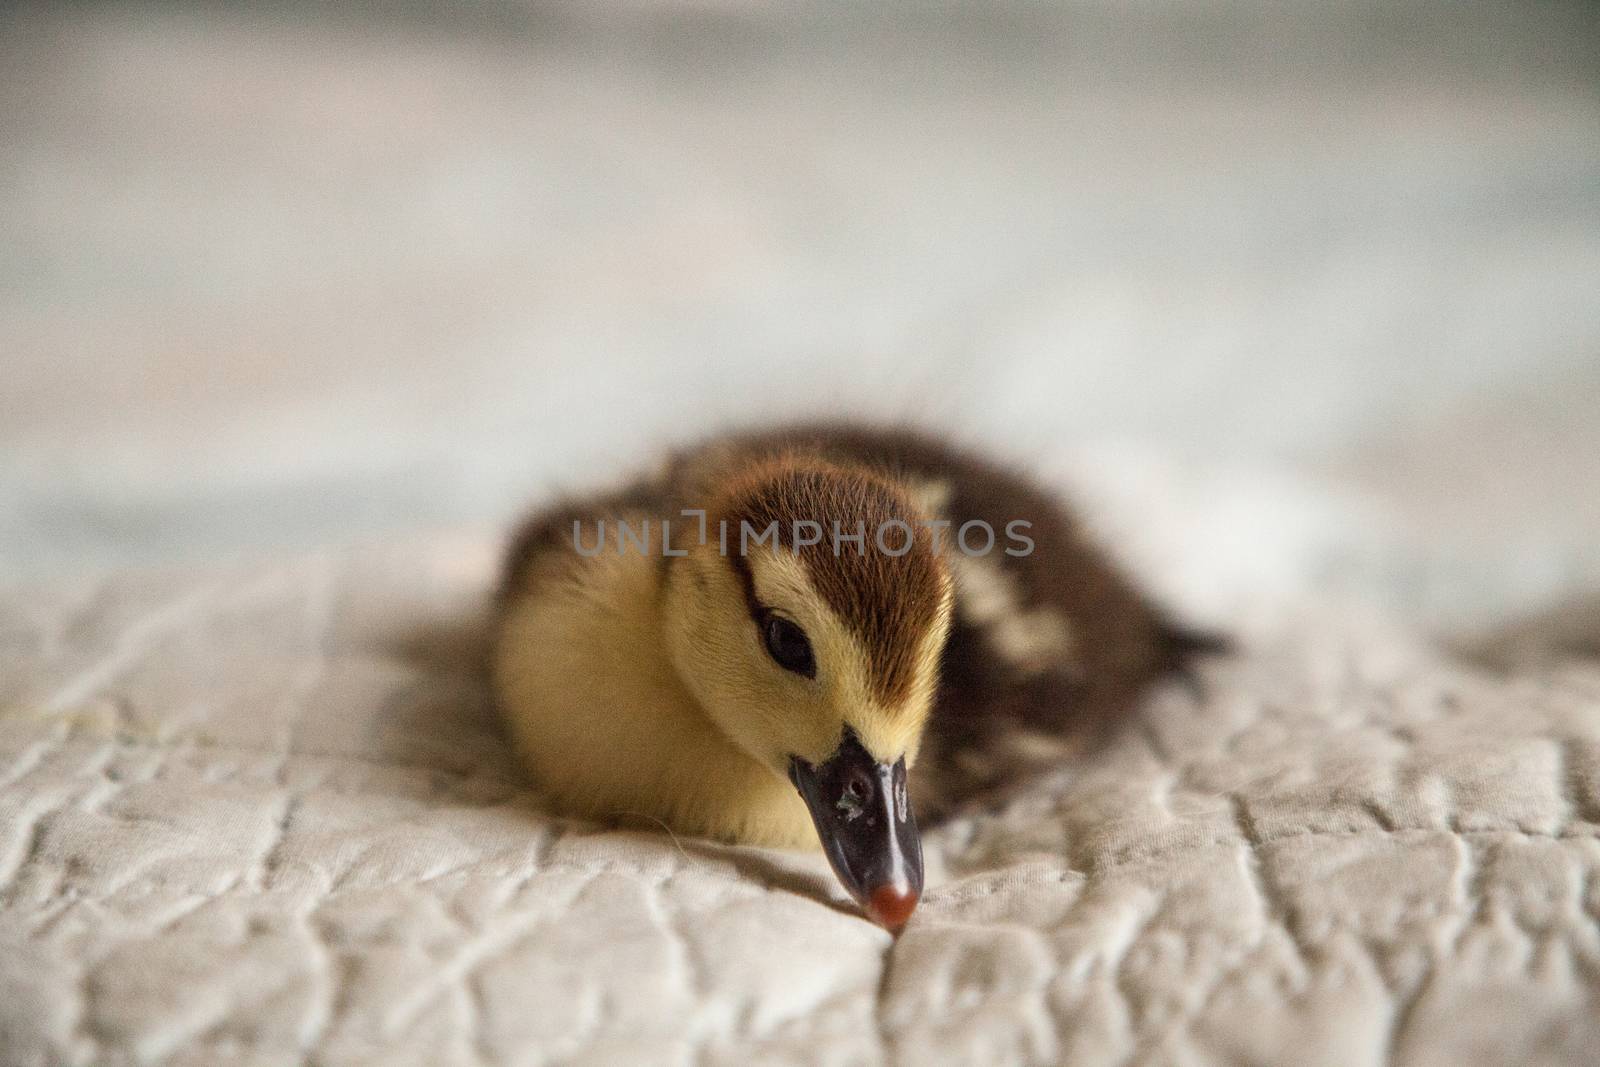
[864, 819]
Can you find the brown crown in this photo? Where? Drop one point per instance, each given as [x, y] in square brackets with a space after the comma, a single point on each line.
[890, 602]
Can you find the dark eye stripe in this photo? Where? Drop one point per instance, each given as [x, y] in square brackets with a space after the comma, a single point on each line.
[788, 645]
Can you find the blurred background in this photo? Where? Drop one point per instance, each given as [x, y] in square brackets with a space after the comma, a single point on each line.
[1320, 275]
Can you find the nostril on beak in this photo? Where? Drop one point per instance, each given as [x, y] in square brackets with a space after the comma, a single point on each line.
[865, 826]
[890, 907]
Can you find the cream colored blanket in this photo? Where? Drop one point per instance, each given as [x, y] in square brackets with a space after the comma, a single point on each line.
[264, 815]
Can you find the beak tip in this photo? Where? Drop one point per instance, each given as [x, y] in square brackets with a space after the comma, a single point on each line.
[890, 907]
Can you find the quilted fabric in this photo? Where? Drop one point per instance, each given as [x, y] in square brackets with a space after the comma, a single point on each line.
[264, 815]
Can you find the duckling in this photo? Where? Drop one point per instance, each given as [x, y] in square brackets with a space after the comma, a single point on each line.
[763, 641]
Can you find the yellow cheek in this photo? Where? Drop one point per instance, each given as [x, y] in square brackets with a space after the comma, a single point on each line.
[768, 713]
[794, 720]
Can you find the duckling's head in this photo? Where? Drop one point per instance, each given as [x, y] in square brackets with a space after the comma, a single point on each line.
[816, 652]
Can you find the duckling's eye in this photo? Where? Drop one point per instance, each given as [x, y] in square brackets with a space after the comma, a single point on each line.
[787, 644]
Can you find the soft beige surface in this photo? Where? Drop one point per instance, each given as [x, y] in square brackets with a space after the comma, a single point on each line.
[263, 815]
[298, 306]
